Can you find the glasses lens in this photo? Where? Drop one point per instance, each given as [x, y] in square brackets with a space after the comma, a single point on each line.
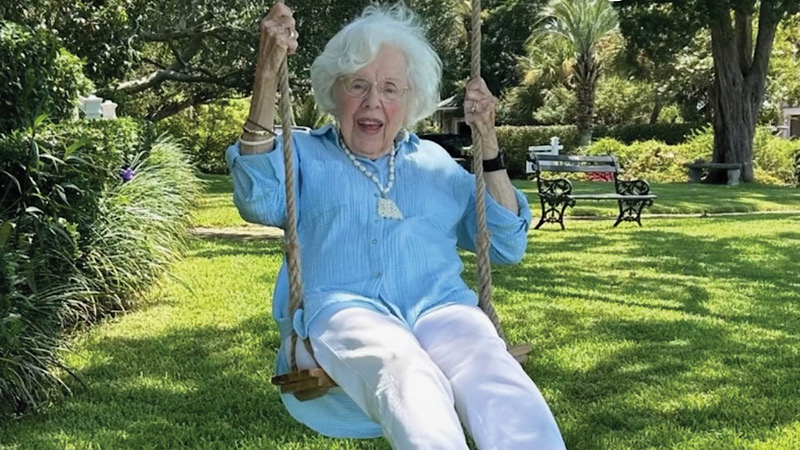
[388, 91]
[357, 87]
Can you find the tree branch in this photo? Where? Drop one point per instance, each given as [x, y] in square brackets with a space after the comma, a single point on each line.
[744, 39]
[173, 108]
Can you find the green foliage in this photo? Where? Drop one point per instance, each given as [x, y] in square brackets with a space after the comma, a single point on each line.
[77, 242]
[656, 161]
[37, 77]
[623, 102]
[559, 106]
[651, 160]
[516, 140]
[783, 82]
[774, 157]
[208, 130]
[669, 133]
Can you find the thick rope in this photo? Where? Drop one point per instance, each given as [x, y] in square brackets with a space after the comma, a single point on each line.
[291, 246]
[484, 271]
[483, 265]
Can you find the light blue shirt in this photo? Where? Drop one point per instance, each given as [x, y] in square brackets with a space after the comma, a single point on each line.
[352, 256]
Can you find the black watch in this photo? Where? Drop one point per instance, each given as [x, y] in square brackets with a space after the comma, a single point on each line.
[498, 163]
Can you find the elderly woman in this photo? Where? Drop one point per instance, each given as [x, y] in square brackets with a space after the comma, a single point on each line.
[381, 214]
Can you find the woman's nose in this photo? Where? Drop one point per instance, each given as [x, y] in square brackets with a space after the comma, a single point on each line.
[372, 99]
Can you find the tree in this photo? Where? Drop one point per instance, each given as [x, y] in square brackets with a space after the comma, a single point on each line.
[740, 63]
[583, 24]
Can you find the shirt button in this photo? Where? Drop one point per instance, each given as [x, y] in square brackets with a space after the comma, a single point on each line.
[374, 241]
[377, 275]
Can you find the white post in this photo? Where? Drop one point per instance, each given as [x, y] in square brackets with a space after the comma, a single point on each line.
[91, 106]
[554, 145]
[109, 109]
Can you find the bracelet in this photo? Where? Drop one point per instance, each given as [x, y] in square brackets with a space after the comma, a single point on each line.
[264, 130]
[256, 143]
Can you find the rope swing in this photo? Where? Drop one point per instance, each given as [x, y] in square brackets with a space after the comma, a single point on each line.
[312, 383]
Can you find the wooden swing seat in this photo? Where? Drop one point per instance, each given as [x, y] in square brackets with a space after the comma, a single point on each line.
[308, 384]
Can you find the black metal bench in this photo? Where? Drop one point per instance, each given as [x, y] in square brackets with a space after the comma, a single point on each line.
[555, 195]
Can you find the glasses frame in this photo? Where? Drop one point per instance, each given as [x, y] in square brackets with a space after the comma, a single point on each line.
[372, 84]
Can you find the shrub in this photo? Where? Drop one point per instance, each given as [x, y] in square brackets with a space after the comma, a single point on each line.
[774, 157]
[649, 160]
[208, 130]
[669, 133]
[37, 76]
[76, 241]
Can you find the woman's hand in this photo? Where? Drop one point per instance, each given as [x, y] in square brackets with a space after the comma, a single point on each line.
[278, 36]
[479, 107]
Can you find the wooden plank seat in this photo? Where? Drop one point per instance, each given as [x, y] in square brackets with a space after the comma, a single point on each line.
[699, 168]
[308, 384]
[555, 195]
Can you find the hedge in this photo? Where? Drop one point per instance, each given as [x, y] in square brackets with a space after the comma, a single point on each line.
[37, 77]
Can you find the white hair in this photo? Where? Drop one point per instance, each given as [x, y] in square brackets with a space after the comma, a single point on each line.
[360, 41]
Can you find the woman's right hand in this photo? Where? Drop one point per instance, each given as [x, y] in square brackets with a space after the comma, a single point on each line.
[278, 36]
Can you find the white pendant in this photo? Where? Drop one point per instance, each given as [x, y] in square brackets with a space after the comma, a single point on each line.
[388, 210]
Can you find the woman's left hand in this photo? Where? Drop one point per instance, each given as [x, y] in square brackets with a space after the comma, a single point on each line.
[479, 107]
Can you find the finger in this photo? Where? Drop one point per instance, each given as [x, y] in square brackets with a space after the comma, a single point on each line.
[279, 10]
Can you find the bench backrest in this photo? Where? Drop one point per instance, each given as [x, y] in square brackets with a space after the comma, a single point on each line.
[570, 163]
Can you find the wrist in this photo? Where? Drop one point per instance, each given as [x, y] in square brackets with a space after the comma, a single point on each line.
[498, 162]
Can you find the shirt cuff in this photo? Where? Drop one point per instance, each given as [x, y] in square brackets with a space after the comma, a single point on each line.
[267, 165]
[498, 216]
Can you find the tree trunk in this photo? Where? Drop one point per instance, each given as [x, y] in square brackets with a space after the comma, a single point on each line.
[658, 105]
[739, 85]
[586, 73]
[734, 127]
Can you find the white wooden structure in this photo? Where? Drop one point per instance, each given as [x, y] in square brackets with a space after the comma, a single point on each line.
[553, 149]
[790, 128]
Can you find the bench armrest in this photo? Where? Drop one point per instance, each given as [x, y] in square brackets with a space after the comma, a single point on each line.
[554, 187]
[632, 187]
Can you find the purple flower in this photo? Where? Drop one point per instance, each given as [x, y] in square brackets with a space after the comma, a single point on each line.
[126, 174]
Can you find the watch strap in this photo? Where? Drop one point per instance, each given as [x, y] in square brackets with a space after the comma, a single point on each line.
[495, 164]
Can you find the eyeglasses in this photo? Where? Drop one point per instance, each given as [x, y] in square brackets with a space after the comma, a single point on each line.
[388, 91]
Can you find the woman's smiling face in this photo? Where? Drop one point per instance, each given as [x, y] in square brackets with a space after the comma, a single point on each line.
[370, 123]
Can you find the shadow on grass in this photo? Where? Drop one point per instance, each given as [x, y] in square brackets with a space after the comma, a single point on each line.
[682, 336]
[189, 388]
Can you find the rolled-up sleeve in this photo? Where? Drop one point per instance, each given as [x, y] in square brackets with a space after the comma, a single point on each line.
[258, 184]
[508, 231]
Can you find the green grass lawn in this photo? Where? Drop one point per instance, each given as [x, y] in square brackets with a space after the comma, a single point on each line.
[684, 333]
[217, 210]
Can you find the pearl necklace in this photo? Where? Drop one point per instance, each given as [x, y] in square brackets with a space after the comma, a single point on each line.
[386, 207]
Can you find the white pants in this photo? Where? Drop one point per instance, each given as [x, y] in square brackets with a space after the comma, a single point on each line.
[420, 385]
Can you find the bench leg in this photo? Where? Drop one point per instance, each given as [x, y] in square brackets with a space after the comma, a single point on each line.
[734, 177]
[552, 212]
[561, 214]
[631, 211]
[695, 175]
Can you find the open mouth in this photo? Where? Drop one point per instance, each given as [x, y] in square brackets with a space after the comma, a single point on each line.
[369, 126]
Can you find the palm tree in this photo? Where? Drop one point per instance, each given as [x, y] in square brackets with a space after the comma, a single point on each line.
[582, 24]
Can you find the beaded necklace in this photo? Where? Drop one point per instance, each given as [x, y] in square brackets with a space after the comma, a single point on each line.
[386, 207]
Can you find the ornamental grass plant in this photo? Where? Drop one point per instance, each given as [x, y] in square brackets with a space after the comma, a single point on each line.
[77, 241]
